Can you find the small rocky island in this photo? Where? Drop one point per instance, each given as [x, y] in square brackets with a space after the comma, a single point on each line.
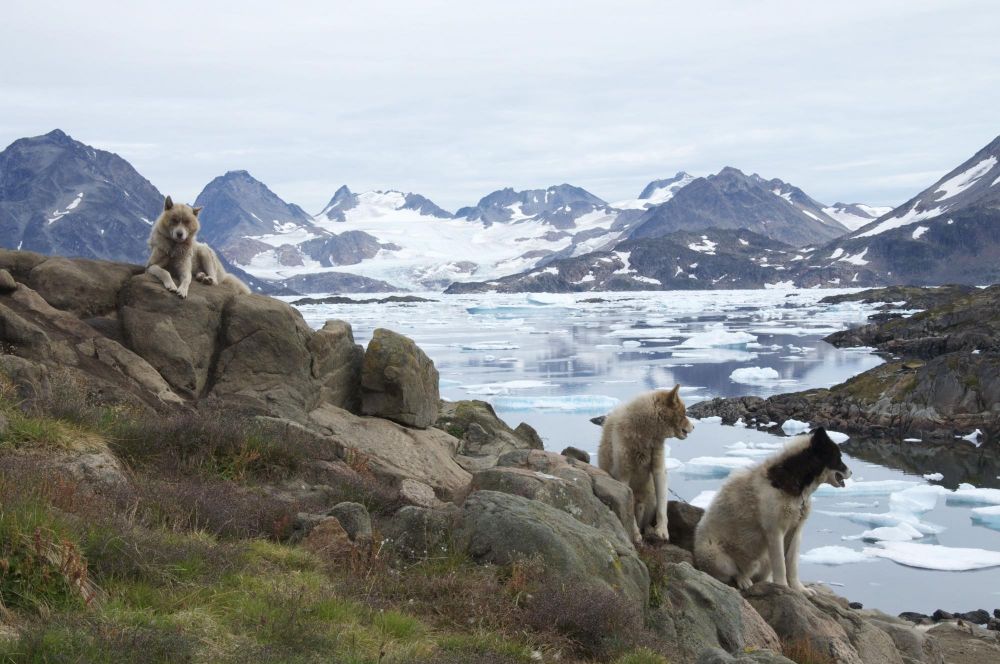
[212, 480]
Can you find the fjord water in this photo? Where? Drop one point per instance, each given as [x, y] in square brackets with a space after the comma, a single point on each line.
[555, 361]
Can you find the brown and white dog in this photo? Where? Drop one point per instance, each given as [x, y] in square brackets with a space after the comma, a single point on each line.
[174, 252]
[631, 451]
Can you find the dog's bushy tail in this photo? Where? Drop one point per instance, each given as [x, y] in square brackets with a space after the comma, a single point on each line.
[236, 283]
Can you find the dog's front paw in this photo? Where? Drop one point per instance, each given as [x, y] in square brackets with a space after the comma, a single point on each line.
[208, 281]
[171, 288]
[658, 534]
[182, 293]
[744, 582]
[808, 592]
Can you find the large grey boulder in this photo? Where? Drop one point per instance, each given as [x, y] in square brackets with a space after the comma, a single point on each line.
[264, 362]
[719, 656]
[563, 486]
[7, 283]
[336, 364]
[397, 453]
[398, 381]
[483, 434]
[354, 518]
[698, 611]
[798, 622]
[615, 495]
[418, 532]
[501, 528]
[179, 338]
[80, 286]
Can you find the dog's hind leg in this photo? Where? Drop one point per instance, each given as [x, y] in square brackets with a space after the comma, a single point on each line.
[163, 276]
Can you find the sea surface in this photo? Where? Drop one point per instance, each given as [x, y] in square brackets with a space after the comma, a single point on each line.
[555, 361]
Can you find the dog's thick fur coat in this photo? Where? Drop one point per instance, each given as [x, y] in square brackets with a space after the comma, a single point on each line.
[174, 252]
[631, 451]
[753, 528]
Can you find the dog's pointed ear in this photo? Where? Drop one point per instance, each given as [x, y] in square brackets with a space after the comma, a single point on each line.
[167, 203]
[818, 436]
[198, 209]
[674, 395]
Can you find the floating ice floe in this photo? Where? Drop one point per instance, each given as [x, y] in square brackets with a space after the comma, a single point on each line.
[934, 477]
[506, 387]
[935, 556]
[671, 463]
[837, 437]
[645, 333]
[491, 345]
[904, 532]
[967, 494]
[793, 427]
[854, 489]
[796, 331]
[834, 555]
[987, 516]
[716, 466]
[740, 448]
[703, 499]
[755, 376]
[717, 336]
[714, 355]
[574, 403]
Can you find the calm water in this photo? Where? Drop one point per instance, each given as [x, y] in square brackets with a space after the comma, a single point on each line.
[554, 361]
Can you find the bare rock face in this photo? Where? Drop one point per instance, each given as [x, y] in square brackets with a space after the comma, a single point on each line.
[500, 528]
[83, 287]
[484, 436]
[337, 364]
[396, 452]
[7, 283]
[398, 381]
[178, 337]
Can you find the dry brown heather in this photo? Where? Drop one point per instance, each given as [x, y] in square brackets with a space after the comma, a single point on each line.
[189, 560]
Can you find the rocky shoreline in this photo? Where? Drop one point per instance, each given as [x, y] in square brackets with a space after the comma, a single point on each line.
[940, 381]
[450, 478]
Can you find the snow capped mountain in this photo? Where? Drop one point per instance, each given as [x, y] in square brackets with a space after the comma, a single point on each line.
[682, 260]
[559, 206]
[732, 199]
[656, 192]
[855, 215]
[59, 196]
[378, 203]
[947, 233]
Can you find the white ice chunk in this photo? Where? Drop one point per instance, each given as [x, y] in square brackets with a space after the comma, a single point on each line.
[717, 335]
[935, 556]
[704, 499]
[576, 403]
[933, 477]
[716, 466]
[755, 376]
[792, 427]
[966, 494]
[987, 516]
[870, 488]
[834, 555]
[837, 437]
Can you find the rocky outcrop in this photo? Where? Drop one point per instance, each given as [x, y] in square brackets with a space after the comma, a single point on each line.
[396, 452]
[942, 379]
[483, 435]
[398, 381]
[501, 528]
[565, 484]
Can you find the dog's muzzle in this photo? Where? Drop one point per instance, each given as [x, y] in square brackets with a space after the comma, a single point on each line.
[180, 235]
[840, 477]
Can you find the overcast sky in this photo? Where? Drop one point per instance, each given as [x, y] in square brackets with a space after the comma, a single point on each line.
[854, 101]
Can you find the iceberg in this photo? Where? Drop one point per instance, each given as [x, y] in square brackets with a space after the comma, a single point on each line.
[834, 555]
[935, 556]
